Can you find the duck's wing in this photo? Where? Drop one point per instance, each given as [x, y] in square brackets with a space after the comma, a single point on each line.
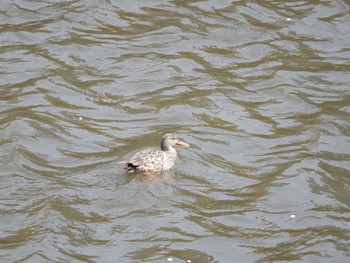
[146, 158]
[138, 159]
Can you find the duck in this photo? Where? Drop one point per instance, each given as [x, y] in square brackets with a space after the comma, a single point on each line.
[155, 161]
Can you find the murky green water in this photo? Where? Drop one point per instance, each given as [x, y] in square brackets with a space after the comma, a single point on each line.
[260, 91]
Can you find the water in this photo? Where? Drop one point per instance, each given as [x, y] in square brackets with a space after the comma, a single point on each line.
[259, 90]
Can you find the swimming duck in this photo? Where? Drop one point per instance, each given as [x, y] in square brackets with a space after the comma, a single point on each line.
[153, 161]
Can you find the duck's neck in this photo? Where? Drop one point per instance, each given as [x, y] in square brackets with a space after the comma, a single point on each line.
[170, 151]
[165, 148]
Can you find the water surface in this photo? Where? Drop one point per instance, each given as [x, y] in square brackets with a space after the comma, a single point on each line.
[259, 90]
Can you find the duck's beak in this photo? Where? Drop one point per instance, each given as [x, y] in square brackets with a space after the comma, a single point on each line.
[181, 143]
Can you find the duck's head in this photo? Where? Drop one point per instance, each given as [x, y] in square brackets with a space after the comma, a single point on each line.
[169, 141]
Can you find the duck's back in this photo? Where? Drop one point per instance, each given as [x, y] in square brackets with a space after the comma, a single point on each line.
[151, 161]
[148, 160]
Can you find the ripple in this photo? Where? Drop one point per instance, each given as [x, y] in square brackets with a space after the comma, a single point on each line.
[259, 90]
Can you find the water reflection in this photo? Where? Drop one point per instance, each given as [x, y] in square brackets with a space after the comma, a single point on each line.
[259, 90]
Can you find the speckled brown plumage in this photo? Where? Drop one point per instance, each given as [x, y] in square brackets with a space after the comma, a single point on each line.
[151, 161]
